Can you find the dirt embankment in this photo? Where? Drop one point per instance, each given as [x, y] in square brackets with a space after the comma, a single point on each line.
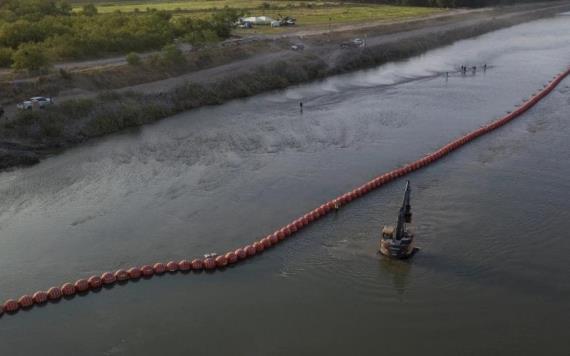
[81, 115]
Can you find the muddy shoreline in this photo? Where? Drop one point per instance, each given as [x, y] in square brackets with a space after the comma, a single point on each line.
[150, 102]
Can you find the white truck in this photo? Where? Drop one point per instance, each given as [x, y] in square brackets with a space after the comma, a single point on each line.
[37, 101]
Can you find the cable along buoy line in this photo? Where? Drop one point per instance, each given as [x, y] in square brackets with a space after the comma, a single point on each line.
[213, 262]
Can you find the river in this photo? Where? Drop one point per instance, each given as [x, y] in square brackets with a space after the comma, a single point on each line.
[492, 219]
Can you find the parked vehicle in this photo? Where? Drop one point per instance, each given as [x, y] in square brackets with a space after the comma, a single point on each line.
[355, 43]
[37, 101]
[298, 47]
[287, 21]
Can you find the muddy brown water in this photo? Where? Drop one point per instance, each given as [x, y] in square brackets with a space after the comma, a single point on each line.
[492, 219]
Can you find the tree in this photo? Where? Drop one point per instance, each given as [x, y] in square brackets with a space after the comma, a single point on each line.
[31, 57]
[6, 57]
[90, 10]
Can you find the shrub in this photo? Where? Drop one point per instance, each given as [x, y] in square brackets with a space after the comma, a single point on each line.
[31, 57]
[172, 55]
[6, 57]
[133, 59]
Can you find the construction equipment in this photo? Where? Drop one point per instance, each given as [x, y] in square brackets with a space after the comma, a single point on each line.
[398, 241]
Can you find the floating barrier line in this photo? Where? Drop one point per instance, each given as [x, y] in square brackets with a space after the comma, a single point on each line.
[211, 263]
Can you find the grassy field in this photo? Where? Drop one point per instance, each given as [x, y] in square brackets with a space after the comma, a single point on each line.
[202, 5]
[306, 13]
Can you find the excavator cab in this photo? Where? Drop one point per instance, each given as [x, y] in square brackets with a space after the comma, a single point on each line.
[388, 232]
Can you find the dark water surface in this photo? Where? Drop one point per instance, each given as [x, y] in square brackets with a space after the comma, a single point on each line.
[492, 219]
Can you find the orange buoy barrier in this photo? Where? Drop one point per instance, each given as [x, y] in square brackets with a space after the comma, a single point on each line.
[11, 306]
[26, 301]
[172, 266]
[81, 285]
[209, 263]
[197, 264]
[221, 261]
[40, 297]
[121, 275]
[232, 257]
[147, 270]
[54, 293]
[108, 278]
[134, 272]
[68, 289]
[95, 282]
[159, 268]
[257, 247]
[184, 265]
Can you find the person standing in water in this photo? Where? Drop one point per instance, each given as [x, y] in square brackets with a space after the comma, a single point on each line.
[301, 107]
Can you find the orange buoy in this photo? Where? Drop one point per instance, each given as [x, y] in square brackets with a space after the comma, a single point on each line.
[315, 214]
[172, 266]
[11, 306]
[292, 228]
[241, 254]
[274, 239]
[108, 278]
[184, 265]
[40, 297]
[209, 263]
[159, 268]
[26, 301]
[266, 242]
[280, 235]
[197, 264]
[81, 285]
[68, 289]
[258, 247]
[286, 231]
[135, 272]
[95, 282]
[321, 211]
[121, 275]
[54, 293]
[250, 250]
[147, 270]
[221, 261]
[299, 224]
[232, 257]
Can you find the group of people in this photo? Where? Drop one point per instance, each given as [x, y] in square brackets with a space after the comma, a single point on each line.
[464, 69]
[473, 69]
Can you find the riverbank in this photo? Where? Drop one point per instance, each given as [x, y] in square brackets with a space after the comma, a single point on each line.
[31, 136]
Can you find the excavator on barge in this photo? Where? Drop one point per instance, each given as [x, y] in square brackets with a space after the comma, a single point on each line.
[398, 241]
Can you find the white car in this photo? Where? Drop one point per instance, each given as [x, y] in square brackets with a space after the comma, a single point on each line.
[37, 101]
[355, 43]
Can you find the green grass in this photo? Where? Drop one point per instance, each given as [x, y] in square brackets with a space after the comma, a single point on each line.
[191, 5]
[306, 13]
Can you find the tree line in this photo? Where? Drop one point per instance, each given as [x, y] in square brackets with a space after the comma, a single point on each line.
[34, 33]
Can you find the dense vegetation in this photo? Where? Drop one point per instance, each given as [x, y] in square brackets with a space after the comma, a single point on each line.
[35, 32]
